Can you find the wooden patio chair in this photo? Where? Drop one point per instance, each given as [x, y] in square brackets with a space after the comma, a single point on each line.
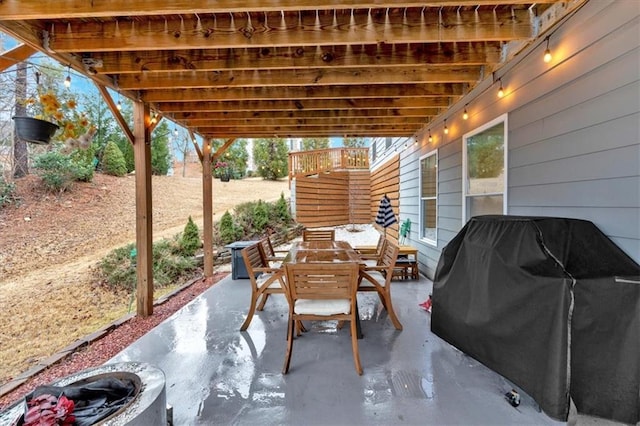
[274, 257]
[318, 235]
[265, 280]
[378, 278]
[319, 292]
[372, 259]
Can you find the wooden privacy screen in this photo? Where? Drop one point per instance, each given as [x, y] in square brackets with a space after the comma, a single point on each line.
[333, 198]
[386, 180]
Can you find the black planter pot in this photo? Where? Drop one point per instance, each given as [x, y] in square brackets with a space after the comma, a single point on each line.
[224, 177]
[34, 130]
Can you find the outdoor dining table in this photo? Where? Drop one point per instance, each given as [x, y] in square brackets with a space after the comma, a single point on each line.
[321, 251]
[325, 252]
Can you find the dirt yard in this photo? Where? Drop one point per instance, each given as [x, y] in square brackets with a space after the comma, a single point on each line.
[49, 244]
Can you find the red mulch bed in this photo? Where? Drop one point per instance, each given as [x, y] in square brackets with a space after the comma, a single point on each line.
[112, 343]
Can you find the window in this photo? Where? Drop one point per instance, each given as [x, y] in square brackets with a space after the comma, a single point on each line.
[429, 197]
[484, 166]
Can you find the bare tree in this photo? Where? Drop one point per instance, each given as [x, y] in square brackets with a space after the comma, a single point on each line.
[20, 149]
[184, 146]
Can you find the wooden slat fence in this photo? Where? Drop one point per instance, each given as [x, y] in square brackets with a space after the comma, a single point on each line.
[332, 199]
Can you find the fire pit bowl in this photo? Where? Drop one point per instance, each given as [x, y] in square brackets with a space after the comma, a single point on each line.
[146, 406]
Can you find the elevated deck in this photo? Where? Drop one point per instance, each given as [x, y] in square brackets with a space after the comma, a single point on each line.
[308, 163]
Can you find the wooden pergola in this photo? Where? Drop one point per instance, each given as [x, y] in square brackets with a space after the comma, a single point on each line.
[273, 68]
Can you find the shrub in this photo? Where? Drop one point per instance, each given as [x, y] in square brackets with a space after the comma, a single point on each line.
[85, 163]
[118, 268]
[7, 193]
[168, 265]
[113, 161]
[227, 229]
[260, 216]
[56, 170]
[190, 240]
[281, 210]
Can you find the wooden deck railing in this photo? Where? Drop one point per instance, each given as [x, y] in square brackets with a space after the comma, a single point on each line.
[307, 163]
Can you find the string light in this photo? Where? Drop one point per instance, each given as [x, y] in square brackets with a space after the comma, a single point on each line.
[465, 114]
[154, 118]
[67, 81]
[547, 53]
[500, 90]
[119, 104]
[446, 129]
[430, 137]
[175, 131]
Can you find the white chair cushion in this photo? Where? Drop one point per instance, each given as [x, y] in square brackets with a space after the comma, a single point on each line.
[322, 307]
[264, 277]
[376, 275]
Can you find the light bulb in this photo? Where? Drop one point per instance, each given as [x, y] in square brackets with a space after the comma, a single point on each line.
[119, 105]
[430, 137]
[446, 129]
[465, 114]
[67, 82]
[500, 90]
[547, 53]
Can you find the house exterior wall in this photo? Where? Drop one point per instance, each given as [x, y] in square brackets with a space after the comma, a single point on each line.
[573, 140]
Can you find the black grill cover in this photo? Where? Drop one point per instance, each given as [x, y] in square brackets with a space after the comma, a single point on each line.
[549, 303]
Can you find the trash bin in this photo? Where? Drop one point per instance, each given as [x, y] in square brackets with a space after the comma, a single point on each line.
[238, 270]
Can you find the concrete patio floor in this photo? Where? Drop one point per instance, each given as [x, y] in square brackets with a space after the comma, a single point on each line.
[216, 374]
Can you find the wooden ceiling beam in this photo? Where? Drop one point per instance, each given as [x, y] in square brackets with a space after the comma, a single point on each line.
[196, 79]
[293, 30]
[371, 130]
[304, 104]
[311, 121]
[77, 9]
[193, 117]
[453, 90]
[249, 59]
[15, 55]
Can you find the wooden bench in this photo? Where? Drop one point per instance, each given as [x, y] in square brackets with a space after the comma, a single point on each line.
[406, 268]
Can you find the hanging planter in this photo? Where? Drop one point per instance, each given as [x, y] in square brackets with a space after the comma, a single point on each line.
[35, 130]
[222, 171]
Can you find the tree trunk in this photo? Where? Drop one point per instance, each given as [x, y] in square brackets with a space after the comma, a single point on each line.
[20, 151]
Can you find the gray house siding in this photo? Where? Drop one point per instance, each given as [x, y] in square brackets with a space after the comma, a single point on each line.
[573, 132]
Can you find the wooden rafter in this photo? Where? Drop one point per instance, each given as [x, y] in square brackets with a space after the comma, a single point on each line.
[32, 9]
[311, 29]
[291, 66]
[15, 55]
[278, 58]
[410, 90]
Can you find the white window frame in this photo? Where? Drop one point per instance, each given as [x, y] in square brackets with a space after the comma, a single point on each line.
[465, 186]
[429, 241]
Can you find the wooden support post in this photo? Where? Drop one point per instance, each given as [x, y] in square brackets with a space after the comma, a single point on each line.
[207, 200]
[144, 212]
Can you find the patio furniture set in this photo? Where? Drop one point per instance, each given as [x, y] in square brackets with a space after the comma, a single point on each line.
[320, 277]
